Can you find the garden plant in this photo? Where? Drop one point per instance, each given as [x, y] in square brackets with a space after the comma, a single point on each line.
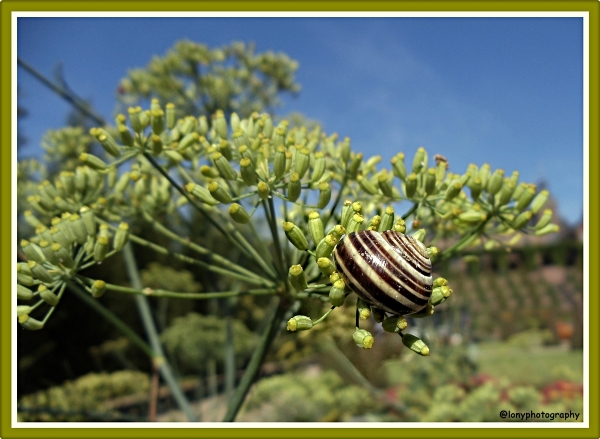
[279, 198]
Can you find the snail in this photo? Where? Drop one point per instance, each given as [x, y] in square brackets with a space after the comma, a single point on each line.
[389, 270]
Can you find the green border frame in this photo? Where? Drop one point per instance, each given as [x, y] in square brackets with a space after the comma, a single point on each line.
[8, 6]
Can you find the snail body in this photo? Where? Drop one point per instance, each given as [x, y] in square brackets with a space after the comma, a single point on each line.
[389, 270]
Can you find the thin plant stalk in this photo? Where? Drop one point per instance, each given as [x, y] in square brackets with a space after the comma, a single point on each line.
[150, 328]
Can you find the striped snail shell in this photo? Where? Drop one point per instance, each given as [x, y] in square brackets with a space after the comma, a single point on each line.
[389, 270]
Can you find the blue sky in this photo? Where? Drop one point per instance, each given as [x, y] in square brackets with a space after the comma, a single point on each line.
[506, 91]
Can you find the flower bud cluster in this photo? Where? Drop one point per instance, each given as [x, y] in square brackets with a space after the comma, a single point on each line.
[55, 254]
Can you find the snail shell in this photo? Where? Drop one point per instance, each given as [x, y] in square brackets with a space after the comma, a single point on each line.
[389, 270]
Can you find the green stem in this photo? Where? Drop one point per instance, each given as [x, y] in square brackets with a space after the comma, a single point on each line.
[199, 208]
[256, 361]
[270, 214]
[412, 210]
[199, 249]
[182, 295]
[230, 231]
[163, 250]
[150, 328]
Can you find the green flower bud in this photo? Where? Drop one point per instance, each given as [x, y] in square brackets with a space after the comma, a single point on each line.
[302, 160]
[472, 217]
[225, 149]
[476, 187]
[415, 344]
[24, 293]
[410, 185]
[453, 190]
[223, 166]
[134, 119]
[93, 162]
[337, 294]
[279, 162]
[324, 195]
[363, 338]
[326, 266]
[344, 148]
[367, 185]
[364, 309]
[239, 214]
[496, 181]
[394, 324]
[219, 193]
[425, 312]
[157, 121]
[337, 231]
[521, 220]
[420, 160]
[104, 232]
[201, 193]
[432, 252]
[506, 192]
[387, 219]
[347, 212]
[234, 120]
[89, 220]
[539, 201]
[121, 236]
[31, 219]
[484, 174]
[30, 323]
[209, 171]
[248, 172]
[419, 235]
[170, 115]
[39, 272]
[299, 323]
[23, 310]
[519, 191]
[297, 277]
[525, 198]
[202, 125]
[374, 223]
[514, 178]
[315, 227]
[355, 223]
[78, 228]
[220, 124]
[295, 235]
[24, 277]
[326, 246]
[440, 170]
[355, 165]
[430, 181]
[46, 247]
[263, 189]
[48, 296]
[109, 144]
[550, 228]
[544, 220]
[172, 154]
[294, 187]
[58, 236]
[318, 167]
[100, 249]
[33, 251]
[98, 288]
[398, 166]
[189, 140]
[63, 255]
[439, 294]
[378, 314]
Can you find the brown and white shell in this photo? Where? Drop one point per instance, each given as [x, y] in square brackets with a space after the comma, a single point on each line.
[389, 270]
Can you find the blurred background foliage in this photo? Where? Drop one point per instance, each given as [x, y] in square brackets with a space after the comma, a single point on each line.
[511, 337]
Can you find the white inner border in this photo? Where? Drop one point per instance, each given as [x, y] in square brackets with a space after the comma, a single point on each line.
[270, 14]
